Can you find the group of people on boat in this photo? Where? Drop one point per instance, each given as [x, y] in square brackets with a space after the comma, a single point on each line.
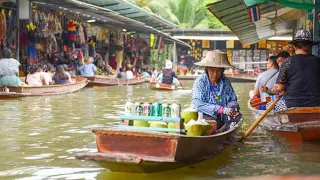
[298, 75]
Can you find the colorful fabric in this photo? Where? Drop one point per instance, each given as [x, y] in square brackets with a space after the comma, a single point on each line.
[204, 98]
[297, 4]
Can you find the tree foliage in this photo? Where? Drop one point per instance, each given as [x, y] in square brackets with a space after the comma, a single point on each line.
[184, 13]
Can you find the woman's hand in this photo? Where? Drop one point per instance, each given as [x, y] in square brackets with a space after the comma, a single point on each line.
[277, 88]
[228, 111]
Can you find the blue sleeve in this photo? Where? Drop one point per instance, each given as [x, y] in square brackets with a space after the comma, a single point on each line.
[94, 68]
[81, 68]
[230, 94]
[257, 84]
[200, 99]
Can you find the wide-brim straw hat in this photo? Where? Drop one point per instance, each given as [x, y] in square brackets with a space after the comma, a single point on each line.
[303, 35]
[215, 58]
[88, 60]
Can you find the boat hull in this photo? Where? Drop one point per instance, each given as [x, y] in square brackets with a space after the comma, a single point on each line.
[161, 86]
[44, 90]
[134, 151]
[98, 81]
[296, 124]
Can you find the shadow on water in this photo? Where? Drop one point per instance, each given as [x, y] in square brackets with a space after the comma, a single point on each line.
[208, 169]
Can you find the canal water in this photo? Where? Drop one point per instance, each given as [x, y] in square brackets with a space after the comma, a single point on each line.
[40, 135]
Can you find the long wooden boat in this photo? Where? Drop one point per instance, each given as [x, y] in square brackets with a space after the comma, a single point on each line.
[108, 81]
[161, 86]
[26, 90]
[241, 78]
[297, 124]
[147, 152]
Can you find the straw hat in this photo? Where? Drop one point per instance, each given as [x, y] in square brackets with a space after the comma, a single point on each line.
[168, 64]
[88, 60]
[215, 58]
[303, 35]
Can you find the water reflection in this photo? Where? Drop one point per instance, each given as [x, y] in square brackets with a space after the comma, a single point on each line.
[41, 135]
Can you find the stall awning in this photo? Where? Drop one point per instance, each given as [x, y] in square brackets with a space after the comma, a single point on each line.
[297, 4]
[127, 9]
[248, 32]
[103, 16]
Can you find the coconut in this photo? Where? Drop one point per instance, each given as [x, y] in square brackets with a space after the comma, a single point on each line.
[141, 123]
[194, 128]
[188, 114]
[158, 124]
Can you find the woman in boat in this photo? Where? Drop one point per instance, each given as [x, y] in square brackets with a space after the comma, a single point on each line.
[299, 75]
[213, 94]
[46, 77]
[9, 69]
[88, 69]
[35, 78]
[168, 76]
[122, 74]
[60, 77]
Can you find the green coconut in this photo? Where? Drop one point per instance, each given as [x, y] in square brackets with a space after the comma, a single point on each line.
[158, 125]
[189, 114]
[141, 123]
[194, 128]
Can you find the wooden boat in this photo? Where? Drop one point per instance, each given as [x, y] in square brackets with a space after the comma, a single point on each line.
[106, 81]
[188, 77]
[241, 78]
[298, 124]
[161, 86]
[26, 90]
[146, 152]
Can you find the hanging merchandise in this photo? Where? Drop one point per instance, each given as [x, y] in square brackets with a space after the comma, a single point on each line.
[3, 27]
[72, 32]
[92, 47]
[81, 34]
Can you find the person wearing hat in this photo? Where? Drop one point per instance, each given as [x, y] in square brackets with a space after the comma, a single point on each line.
[212, 93]
[299, 75]
[9, 69]
[88, 69]
[168, 76]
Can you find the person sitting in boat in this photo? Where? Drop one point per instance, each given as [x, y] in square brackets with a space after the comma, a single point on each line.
[60, 77]
[282, 56]
[122, 74]
[88, 69]
[65, 67]
[299, 75]
[34, 78]
[47, 79]
[9, 69]
[168, 76]
[265, 80]
[145, 73]
[212, 92]
[129, 73]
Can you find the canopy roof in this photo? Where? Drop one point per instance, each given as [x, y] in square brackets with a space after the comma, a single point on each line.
[104, 17]
[249, 33]
[297, 4]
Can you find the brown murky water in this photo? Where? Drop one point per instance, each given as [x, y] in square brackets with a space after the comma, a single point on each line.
[40, 135]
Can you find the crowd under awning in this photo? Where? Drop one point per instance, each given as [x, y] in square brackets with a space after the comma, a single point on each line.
[105, 17]
[275, 20]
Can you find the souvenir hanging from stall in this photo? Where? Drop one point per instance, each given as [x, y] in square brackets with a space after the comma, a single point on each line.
[72, 32]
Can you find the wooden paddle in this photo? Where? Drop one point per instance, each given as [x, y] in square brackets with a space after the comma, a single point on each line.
[180, 83]
[255, 124]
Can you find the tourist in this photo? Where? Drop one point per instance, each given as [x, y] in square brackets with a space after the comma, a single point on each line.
[265, 80]
[154, 72]
[60, 77]
[144, 73]
[122, 74]
[9, 69]
[88, 69]
[168, 76]
[299, 75]
[129, 74]
[212, 92]
[34, 78]
[46, 77]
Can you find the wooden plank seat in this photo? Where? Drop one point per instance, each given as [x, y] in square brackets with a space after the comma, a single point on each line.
[128, 123]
